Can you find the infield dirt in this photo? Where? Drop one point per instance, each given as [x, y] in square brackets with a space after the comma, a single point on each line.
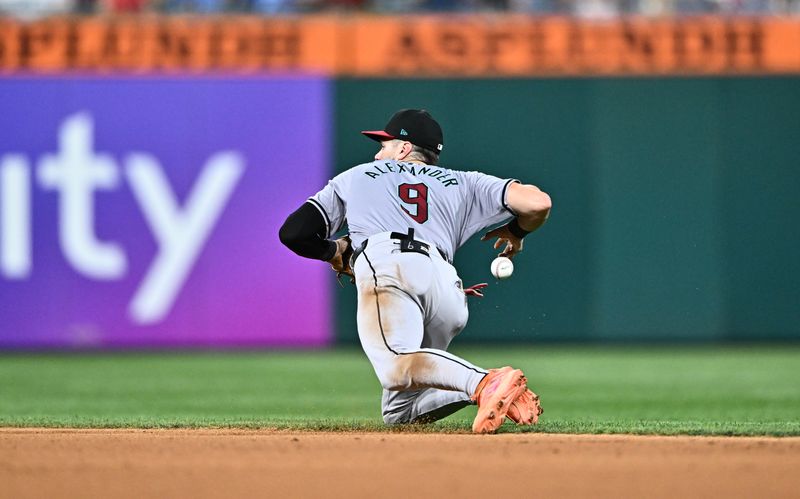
[263, 463]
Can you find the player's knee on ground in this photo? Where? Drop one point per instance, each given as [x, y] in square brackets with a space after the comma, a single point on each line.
[400, 417]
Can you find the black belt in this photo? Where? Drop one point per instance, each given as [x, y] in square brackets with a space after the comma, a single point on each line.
[407, 245]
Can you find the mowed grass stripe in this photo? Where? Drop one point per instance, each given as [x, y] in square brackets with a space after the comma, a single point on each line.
[654, 390]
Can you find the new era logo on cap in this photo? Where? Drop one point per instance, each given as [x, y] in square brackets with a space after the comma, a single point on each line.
[414, 125]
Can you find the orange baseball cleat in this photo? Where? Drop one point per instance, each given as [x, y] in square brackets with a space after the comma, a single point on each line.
[494, 395]
[525, 409]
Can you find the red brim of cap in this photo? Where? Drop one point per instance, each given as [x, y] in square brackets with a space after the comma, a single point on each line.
[378, 135]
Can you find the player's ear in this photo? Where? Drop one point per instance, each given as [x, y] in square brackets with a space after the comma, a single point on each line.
[406, 150]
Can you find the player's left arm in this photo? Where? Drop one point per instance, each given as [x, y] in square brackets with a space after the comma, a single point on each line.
[308, 229]
[305, 231]
[532, 207]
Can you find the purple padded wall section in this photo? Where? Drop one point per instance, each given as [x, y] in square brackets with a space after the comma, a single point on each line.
[144, 211]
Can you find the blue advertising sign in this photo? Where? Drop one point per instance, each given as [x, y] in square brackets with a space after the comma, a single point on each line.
[144, 211]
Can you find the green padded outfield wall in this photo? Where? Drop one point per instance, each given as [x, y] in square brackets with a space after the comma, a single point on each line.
[676, 214]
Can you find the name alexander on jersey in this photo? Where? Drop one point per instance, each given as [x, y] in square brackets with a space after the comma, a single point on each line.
[431, 171]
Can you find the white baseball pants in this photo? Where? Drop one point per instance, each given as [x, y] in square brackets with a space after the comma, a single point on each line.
[410, 306]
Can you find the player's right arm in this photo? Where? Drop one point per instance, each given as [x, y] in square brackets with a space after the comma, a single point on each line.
[531, 206]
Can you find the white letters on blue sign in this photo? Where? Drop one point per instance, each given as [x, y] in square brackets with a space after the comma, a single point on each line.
[15, 217]
[75, 172]
[180, 233]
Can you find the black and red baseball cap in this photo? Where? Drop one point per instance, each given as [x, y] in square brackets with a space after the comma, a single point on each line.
[414, 125]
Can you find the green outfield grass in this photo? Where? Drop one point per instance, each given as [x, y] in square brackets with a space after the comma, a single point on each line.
[652, 390]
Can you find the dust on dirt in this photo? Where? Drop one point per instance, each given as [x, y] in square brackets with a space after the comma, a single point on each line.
[261, 463]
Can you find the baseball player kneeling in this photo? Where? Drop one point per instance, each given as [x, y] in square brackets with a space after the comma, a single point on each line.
[406, 218]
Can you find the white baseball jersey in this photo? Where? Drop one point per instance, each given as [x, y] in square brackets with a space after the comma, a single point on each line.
[444, 207]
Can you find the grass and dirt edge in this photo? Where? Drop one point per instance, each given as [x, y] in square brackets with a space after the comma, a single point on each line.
[655, 428]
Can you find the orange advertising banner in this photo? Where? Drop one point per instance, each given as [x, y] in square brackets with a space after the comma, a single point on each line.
[404, 46]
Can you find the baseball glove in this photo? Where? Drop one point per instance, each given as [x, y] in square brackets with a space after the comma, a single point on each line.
[340, 263]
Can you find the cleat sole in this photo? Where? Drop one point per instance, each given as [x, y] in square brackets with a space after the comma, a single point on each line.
[490, 419]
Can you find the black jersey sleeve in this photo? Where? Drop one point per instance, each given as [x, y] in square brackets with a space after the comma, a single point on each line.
[305, 231]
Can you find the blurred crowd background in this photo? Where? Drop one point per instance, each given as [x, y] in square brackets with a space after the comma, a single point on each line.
[590, 9]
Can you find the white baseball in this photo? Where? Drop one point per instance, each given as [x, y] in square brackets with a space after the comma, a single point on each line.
[502, 267]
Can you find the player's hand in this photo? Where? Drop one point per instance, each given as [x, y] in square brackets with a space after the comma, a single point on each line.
[513, 244]
[340, 263]
[475, 290]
